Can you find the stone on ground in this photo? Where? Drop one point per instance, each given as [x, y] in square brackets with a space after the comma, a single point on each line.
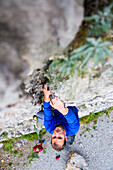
[76, 162]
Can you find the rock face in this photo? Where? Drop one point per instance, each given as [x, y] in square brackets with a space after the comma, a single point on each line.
[37, 28]
[33, 85]
[76, 162]
[93, 92]
[30, 31]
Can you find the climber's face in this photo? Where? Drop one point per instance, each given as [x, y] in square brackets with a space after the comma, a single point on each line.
[59, 136]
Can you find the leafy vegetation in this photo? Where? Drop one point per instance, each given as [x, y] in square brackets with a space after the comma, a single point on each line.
[10, 164]
[96, 49]
[44, 150]
[65, 66]
[101, 22]
[10, 143]
[3, 135]
[91, 48]
[29, 137]
[32, 156]
[40, 133]
[84, 106]
[15, 152]
[94, 116]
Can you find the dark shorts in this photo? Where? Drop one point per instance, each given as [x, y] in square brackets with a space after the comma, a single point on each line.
[40, 116]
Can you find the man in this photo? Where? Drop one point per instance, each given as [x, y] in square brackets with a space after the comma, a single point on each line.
[60, 121]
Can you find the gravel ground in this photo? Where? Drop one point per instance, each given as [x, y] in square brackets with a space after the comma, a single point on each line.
[93, 141]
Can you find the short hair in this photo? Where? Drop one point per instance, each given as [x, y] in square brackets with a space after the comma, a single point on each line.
[57, 147]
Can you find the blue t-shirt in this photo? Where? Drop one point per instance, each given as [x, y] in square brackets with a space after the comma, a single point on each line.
[52, 118]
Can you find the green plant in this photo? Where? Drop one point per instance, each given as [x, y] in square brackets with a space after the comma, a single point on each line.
[102, 21]
[29, 137]
[9, 144]
[15, 152]
[32, 156]
[65, 66]
[21, 155]
[94, 127]
[84, 106]
[3, 135]
[37, 131]
[10, 164]
[96, 49]
[40, 133]
[44, 150]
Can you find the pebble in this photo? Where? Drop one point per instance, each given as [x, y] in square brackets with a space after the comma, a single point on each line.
[80, 144]
[18, 145]
[1, 145]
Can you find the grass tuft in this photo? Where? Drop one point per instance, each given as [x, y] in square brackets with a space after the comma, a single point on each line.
[94, 116]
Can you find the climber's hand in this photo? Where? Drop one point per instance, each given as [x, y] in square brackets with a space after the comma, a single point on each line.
[56, 103]
[46, 93]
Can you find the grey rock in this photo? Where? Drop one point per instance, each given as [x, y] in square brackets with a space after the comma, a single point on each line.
[10, 59]
[80, 144]
[36, 29]
[76, 162]
[20, 143]
[89, 94]
[1, 145]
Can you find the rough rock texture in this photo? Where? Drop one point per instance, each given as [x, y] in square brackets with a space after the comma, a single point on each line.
[33, 85]
[92, 93]
[76, 162]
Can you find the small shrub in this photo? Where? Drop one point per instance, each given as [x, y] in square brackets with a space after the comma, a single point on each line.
[9, 144]
[3, 135]
[15, 152]
[32, 156]
[65, 66]
[102, 21]
[29, 137]
[96, 49]
[21, 155]
[44, 150]
[10, 164]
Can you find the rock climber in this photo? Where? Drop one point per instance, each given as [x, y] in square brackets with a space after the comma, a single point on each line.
[60, 121]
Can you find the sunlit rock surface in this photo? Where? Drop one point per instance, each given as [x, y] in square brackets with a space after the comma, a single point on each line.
[93, 92]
